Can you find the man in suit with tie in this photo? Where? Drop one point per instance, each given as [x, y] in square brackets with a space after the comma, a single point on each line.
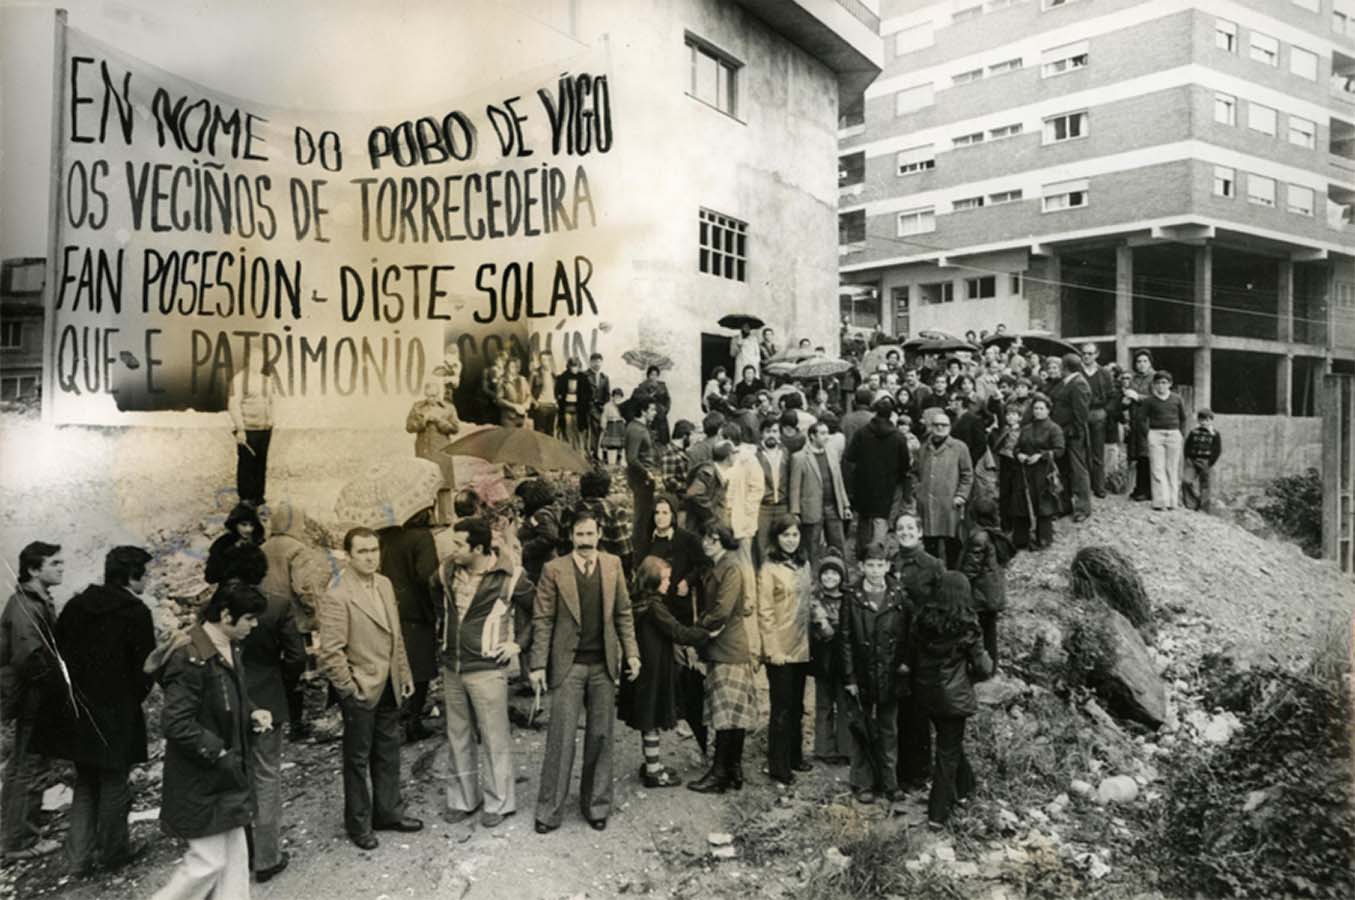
[775, 462]
[818, 496]
[581, 627]
[362, 653]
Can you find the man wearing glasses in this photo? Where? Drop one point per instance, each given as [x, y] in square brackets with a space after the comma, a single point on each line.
[945, 476]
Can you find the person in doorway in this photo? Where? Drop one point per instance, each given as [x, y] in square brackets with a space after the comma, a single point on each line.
[745, 351]
[250, 406]
[749, 385]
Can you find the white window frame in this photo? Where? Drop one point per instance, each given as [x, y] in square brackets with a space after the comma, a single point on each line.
[1065, 195]
[1083, 128]
[903, 105]
[969, 12]
[1303, 63]
[1294, 202]
[1305, 130]
[967, 203]
[916, 160]
[1256, 195]
[1067, 58]
[974, 287]
[997, 198]
[925, 217]
[1225, 182]
[967, 77]
[1015, 64]
[1002, 132]
[947, 293]
[1262, 118]
[967, 140]
[1225, 35]
[1340, 21]
[1227, 104]
[727, 75]
[1263, 48]
[15, 327]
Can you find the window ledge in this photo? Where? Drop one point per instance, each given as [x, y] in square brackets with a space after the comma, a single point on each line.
[715, 108]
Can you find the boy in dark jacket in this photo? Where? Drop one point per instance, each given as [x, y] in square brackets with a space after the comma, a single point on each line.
[984, 562]
[874, 624]
[1203, 449]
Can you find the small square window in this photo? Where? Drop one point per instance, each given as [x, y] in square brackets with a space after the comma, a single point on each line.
[1065, 128]
[967, 203]
[1261, 190]
[11, 335]
[1225, 182]
[981, 288]
[967, 77]
[1014, 284]
[917, 221]
[916, 159]
[1005, 131]
[1303, 63]
[1264, 49]
[1225, 35]
[1007, 65]
[1225, 109]
[713, 76]
[723, 245]
[1000, 197]
[966, 140]
[1302, 133]
[1261, 118]
[937, 292]
[1066, 195]
[1300, 200]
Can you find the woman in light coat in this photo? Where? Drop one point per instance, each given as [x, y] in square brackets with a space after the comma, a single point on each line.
[784, 598]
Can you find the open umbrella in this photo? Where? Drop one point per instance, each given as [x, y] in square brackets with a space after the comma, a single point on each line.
[820, 367]
[643, 359]
[785, 389]
[793, 355]
[938, 342]
[389, 492]
[780, 367]
[519, 446]
[1042, 342]
[875, 357]
[737, 321]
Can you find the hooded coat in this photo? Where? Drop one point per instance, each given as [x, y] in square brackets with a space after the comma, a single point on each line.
[875, 466]
[409, 558]
[296, 571]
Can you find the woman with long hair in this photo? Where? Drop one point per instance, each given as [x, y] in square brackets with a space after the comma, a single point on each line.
[243, 528]
[784, 597]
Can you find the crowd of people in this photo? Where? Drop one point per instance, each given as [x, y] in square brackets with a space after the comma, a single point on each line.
[858, 536]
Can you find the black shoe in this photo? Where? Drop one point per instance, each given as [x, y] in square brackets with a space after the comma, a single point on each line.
[597, 824]
[543, 828]
[133, 853]
[803, 766]
[417, 731]
[365, 841]
[786, 779]
[664, 779]
[453, 816]
[264, 875]
[405, 824]
[736, 758]
[713, 782]
[298, 732]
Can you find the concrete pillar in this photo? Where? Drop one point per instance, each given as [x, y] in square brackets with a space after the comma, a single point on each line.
[1042, 293]
[1124, 302]
[1285, 302]
[1284, 385]
[1204, 326]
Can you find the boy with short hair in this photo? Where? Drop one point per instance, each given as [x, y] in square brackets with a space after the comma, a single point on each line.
[1203, 448]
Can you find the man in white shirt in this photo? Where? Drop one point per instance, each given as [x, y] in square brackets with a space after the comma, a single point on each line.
[250, 406]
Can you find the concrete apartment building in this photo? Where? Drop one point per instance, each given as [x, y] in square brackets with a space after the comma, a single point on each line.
[21, 320]
[1166, 174]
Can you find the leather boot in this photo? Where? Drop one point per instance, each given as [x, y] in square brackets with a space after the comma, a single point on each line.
[716, 780]
[735, 764]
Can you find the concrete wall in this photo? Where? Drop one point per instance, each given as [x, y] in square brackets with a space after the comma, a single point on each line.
[1259, 448]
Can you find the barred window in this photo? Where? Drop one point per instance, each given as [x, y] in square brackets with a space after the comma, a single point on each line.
[724, 246]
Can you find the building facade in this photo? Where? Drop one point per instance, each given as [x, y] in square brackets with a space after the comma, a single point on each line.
[21, 321]
[1171, 174]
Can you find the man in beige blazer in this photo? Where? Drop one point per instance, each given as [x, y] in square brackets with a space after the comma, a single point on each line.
[581, 626]
[363, 655]
[818, 496]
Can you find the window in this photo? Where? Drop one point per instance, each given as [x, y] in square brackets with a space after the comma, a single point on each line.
[917, 221]
[1065, 127]
[1264, 49]
[1005, 131]
[1061, 60]
[1303, 63]
[1225, 109]
[1225, 35]
[1261, 118]
[1340, 22]
[11, 335]
[912, 98]
[1310, 5]
[967, 77]
[982, 288]
[915, 37]
[1300, 200]
[1261, 190]
[969, 12]
[713, 78]
[724, 246]
[1065, 195]
[901, 309]
[1014, 284]
[1302, 133]
[18, 387]
[1007, 65]
[851, 231]
[967, 203]
[966, 140]
[1225, 182]
[859, 305]
[992, 5]
[917, 159]
[937, 292]
[1004, 197]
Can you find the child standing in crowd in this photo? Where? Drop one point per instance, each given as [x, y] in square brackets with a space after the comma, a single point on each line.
[874, 623]
[944, 648]
[1008, 469]
[984, 563]
[613, 430]
[1203, 448]
[832, 739]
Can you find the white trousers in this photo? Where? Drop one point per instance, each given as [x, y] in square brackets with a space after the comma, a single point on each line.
[215, 867]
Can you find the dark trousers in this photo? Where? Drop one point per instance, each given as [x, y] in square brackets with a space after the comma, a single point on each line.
[785, 732]
[1196, 485]
[21, 799]
[642, 493]
[411, 714]
[818, 536]
[988, 625]
[952, 778]
[371, 750]
[98, 832]
[915, 742]
[543, 419]
[251, 468]
[946, 549]
[884, 719]
[585, 686]
[692, 701]
[1077, 486]
[1143, 479]
[1096, 451]
[1044, 532]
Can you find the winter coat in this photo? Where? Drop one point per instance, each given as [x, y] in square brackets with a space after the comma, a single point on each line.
[206, 711]
[1070, 406]
[409, 558]
[875, 465]
[728, 604]
[943, 474]
[872, 647]
[982, 563]
[1038, 437]
[222, 563]
[539, 535]
[682, 551]
[941, 666]
[470, 643]
[783, 601]
[1137, 437]
[825, 634]
[433, 422]
[296, 571]
[274, 656]
[743, 492]
[30, 678]
[650, 702]
[704, 500]
[104, 633]
[918, 574]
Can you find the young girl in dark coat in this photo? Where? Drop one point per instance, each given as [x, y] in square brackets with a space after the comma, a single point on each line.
[984, 562]
[945, 655]
[649, 704]
[243, 528]
[832, 737]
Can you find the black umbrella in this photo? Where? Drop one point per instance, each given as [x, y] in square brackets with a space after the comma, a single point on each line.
[737, 321]
[1042, 342]
[861, 727]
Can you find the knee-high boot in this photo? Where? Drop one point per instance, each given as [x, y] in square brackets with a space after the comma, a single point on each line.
[735, 767]
[716, 780]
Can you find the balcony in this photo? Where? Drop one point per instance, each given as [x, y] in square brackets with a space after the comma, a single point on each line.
[1341, 148]
[1341, 209]
[851, 233]
[851, 176]
[1342, 81]
[842, 34]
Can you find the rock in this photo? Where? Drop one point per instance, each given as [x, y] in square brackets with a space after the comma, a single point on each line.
[918, 864]
[1221, 728]
[58, 796]
[966, 869]
[1080, 787]
[1117, 789]
[1037, 816]
[1131, 680]
[1008, 820]
[945, 853]
[144, 815]
[834, 862]
[999, 691]
[1049, 646]
[724, 852]
[1254, 800]
[1103, 718]
[1058, 806]
[1097, 869]
[719, 839]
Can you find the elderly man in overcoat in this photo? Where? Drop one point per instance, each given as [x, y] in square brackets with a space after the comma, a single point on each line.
[945, 475]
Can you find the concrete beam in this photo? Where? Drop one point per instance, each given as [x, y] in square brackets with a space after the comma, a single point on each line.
[1204, 326]
[1284, 385]
[1309, 254]
[1041, 250]
[1184, 339]
[1284, 324]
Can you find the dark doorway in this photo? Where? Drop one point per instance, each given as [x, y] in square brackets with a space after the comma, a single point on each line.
[715, 353]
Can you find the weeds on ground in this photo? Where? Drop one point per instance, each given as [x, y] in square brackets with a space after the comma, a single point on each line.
[1294, 508]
